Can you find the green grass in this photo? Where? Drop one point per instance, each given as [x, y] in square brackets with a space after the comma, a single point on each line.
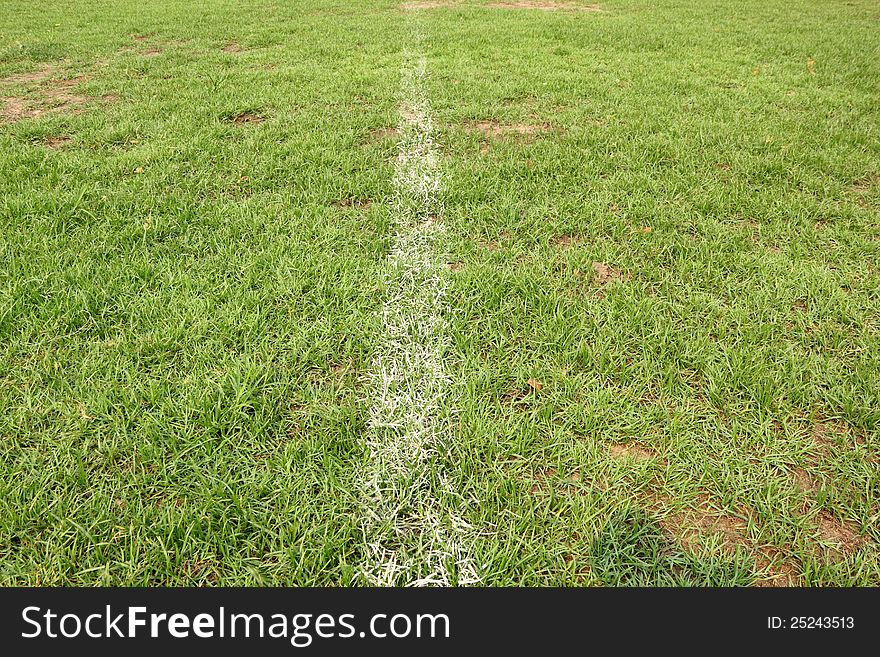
[189, 304]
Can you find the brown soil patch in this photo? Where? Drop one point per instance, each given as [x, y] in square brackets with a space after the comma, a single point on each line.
[356, 203]
[630, 450]
[541, 477]
[516, 395]
[804, 480]
[455, 266]
[54, 96]
[691, 526]
[864, 185]
[427, 4]
[233, 47]
[140, 37]
[604, 274]
[779, 571]
[543, 5]
[494, 128]
[565, 241]
[56, 141]
[151, 52]
[382, 133]
[17, 108]
[43, 73]
[824, 434]
[842, 534]
[246, 117]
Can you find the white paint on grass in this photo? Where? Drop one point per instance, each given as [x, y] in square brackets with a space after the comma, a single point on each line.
[411, 535]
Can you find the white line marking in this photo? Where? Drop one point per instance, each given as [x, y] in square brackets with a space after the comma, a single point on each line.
[410, 535]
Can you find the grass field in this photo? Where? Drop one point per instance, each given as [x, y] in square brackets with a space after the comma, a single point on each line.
[646, 236]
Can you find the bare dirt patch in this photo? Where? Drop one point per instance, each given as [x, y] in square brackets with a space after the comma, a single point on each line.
[233, 47]
[518, 395]
[865, 184]
[842, 535]
[604, 274]
[428, 4]
[631, 451]
[494, 129]
[43, 73]
[17, 108]
[56, 141]
[380, 134]
[246, 117]
[565, 241]
[691, 528]
[151, 52]
[543, 5]
[804, 481]
[355, 203]
[541, 477]
[827, 433]
[52, 96]
[779, 571]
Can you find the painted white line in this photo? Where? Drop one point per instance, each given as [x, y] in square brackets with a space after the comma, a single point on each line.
[412, 536]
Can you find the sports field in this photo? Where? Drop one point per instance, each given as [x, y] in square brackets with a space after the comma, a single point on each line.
[524, 293]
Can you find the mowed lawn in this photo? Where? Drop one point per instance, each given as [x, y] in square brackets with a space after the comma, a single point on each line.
[662, 224]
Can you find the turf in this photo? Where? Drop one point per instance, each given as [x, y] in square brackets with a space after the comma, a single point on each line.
[662, 228]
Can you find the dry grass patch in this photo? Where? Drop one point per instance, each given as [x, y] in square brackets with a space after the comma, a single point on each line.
[233, 47]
